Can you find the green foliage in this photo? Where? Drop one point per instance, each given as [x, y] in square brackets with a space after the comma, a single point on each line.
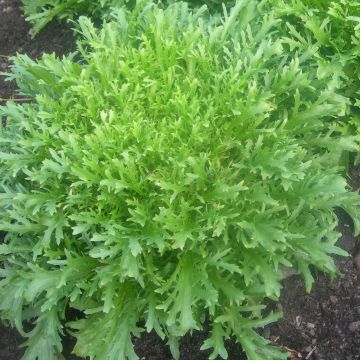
[333, 27]
[165, 178]
[41, 12]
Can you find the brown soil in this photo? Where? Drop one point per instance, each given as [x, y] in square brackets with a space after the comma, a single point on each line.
[323, 325]
[325, 322]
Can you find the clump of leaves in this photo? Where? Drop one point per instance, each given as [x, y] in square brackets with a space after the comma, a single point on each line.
[164, 179]
[333, 28]
[40, 12]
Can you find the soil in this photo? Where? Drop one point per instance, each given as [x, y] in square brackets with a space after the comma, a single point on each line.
[326, 322]
[322, 325]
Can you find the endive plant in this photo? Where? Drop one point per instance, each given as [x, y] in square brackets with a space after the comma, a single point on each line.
[162, 180]
[332, 27]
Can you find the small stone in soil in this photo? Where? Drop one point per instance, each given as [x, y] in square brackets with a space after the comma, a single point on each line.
[305, 336]
[354, 326]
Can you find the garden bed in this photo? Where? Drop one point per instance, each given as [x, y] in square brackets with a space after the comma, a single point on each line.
[322, 325]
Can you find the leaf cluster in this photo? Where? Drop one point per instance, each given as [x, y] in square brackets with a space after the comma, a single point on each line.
[41, 12]
[162, 177]
[330, 27]
[333, 28]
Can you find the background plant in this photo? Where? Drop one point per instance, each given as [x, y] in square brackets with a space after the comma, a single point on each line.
[40, 12]
[165, 178]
